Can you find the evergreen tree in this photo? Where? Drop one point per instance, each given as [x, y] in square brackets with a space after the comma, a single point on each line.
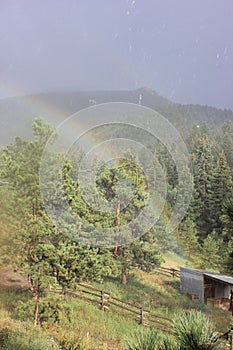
[188, 240]
[228, 259]
[203, 168]
[223, 188]
[226, 140]
[210, 252]
[125, 183]
[46, 255]
[228, 232]
[227, 219]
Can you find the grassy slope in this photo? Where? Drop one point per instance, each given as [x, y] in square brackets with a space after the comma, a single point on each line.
[107, 330]
[173, 260]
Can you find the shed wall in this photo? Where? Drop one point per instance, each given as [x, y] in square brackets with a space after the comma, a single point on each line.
[191, 283]
[222, 291]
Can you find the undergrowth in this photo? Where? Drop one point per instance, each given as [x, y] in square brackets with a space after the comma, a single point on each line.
[77, 325]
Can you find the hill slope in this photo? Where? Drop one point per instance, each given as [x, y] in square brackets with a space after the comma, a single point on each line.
[107, 330]
[17, 114]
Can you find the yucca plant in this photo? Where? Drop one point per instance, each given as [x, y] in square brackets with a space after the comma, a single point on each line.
[168, 343]
[144, 339]
[194, 331]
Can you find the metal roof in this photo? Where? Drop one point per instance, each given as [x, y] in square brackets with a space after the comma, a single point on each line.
[216, 276]
[221, 278]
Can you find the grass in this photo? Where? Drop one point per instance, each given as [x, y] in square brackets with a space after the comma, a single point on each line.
[161, 294]
[172, 260]
[89, 328]
[145, 339]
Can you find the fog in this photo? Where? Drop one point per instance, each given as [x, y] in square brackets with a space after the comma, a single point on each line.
[182, 49]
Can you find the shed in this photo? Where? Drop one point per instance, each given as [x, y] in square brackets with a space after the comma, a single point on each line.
[207, 287]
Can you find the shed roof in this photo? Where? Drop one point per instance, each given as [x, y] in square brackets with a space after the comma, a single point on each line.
[221, 278]
[216, 276]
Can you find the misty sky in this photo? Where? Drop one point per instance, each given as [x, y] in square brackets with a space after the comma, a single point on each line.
[183, 49]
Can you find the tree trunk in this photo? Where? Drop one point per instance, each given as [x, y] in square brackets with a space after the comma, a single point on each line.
[123, 278]
[124, 267]
[35, 292]
[118, 224]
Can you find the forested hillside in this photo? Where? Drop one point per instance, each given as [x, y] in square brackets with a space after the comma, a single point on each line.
[32, 243]
[17, 114]
[204, 235]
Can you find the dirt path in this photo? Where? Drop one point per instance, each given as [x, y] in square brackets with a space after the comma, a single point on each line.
[10, 278]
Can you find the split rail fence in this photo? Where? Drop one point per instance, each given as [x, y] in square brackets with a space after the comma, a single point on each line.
[167, 271]
[108, 302]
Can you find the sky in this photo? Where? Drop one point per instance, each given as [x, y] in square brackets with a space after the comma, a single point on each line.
[182, 49]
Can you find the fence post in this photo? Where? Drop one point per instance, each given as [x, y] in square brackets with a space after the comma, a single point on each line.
[102, 300]
[141, 316]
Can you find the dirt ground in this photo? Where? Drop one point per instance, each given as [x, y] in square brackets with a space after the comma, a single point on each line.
[10, 278]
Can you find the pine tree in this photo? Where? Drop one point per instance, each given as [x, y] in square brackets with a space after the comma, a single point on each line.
[228, 232]
[228, 259]
[46, 255]
[210, 252]
[223, 188]
[123, 183]
[226, 140]
[188, 240]
[203, 168]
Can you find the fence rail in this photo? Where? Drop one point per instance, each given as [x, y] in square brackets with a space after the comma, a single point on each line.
[167, 271]
[139, 314]
[110, 303]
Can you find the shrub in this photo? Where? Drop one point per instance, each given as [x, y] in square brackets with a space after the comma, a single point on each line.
[52, 309]
[5, 334]
[68, 340]
[16, 335]
[168, 343]
[194, 331]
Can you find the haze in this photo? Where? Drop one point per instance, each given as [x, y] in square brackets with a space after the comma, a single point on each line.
[182, 49]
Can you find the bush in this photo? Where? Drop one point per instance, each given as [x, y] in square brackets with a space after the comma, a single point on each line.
[5, 335]
[193, 331]
[52, 309]
[17, 335]
[168, 343]
[68, 340]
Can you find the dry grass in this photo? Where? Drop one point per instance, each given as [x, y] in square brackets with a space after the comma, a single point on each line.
[11, 278]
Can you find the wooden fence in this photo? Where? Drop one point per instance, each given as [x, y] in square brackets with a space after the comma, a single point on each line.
[108, 302]
[141, 315]
[167, 271]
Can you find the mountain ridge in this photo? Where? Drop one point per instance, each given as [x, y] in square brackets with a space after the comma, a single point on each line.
[17, 113]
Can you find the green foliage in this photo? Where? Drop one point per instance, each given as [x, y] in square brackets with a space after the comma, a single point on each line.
[52, 309]
[48, 257]
[223, 189]
[228, 259]
[210, 252]
[188, 239]
[145, 254]
[68, 340]
[168, 343]
[15, 336]
[144, 339]
[5, 335]
[194, 331]
[203, 168]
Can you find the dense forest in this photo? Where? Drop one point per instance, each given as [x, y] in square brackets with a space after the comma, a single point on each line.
[31, 241]
[52, 231]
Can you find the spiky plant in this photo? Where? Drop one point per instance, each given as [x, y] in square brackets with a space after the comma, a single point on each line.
[168, 343]
[194, 331]
[144, 339]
